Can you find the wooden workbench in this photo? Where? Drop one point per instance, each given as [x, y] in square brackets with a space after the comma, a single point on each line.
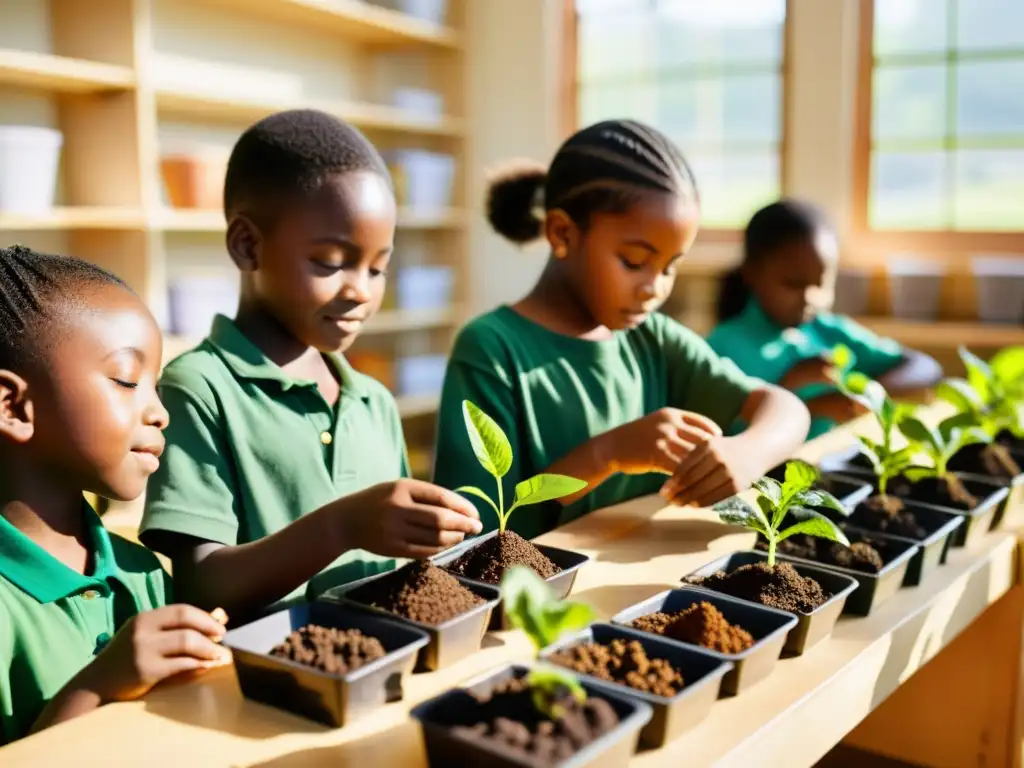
[960, 710]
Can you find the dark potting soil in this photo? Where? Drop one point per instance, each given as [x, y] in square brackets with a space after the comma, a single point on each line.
[622, 661]
[336, 651]
[1012, 442]
[886, 514]
[777, 586]
[946, 491]
[700, 624]
[488, 561]
[860, 555]
[419, 591]
[511, 723]
[993, 460]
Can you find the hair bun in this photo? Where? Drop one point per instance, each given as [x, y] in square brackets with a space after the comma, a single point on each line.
[512, 201]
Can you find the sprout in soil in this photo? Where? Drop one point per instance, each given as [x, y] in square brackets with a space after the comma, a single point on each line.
[939, 444]
[886, 461]
[494, 453]
[776, 501]
[532, 607]
[992, 396]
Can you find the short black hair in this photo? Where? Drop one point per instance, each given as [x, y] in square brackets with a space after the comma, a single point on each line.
[34, 289]
[291, 153]
[603, 168]
[775, 225]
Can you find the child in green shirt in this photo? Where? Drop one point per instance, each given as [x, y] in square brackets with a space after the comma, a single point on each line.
[583, 375]
[84, 618]
[285, 471]
[772, 322]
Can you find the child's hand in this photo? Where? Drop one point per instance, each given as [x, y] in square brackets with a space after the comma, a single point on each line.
[836, 406]
[712, 472]
[815, 370]
[406, 518]
[154, 646]
[657, 442]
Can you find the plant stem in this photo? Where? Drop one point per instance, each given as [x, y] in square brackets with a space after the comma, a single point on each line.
[502, 517]
[883, 483]
[771, 551]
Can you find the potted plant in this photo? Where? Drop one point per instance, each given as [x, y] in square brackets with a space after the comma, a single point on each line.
[485, 558]
[815, 595]
[556, 717]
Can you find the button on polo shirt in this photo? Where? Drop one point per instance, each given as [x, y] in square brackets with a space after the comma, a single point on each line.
[54, 620]
[250, 449]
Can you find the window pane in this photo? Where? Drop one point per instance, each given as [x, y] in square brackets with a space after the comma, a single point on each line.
[734, 185]
[989, 98]
[637, 101]
[679, 110]
[720, 32]
[910, 26]
[989, 192]
[591, 7]
[907, 190]
[721, 110]
[990, 24]
[909, 103]
[616, 45]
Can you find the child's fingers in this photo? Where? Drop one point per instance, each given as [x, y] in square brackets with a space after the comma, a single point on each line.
[183, 616]
[180, 665]
[428, 494]
[189, 642]
[441, 519]
[692, 469]
[417, 535]
[701, 422]
[713, 489]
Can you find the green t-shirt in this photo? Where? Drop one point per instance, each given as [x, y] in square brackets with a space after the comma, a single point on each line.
[250, 450]
[54, 620]
[551, 393]
[765, 350]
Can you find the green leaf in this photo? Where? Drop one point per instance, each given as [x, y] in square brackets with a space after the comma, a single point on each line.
[917, 474]
[770, 489]
[821, 500]
[842, 357]
[489, 442]
[919, 432]
[546, 685]
[979, 375]
[864, 390]
[895, 462]
[814, 524]
[474, 491]
[545, 487]
[799, 477]
[532, 607]
[959, 394]
[871, 450]
[736, 511]
[1007, 364]
[769, 512]
[961, 438]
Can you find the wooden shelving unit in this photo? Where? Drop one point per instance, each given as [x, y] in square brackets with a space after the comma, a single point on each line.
[127, 81]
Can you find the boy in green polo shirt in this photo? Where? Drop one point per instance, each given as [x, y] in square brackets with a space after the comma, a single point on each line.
[283, 463]
[84, 618]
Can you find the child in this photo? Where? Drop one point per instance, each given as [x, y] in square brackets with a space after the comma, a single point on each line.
[79, 357]
[582, 374]
[771, 326]
[282, 461]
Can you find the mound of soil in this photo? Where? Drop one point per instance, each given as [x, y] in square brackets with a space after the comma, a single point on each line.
[336, 651]
[886, 514]
[508, 720]
[993, 460]
[946, 491]
[700, 624]
[622, 661]
[860, 555]
[778, 586]
[488, 561]
[418, 591]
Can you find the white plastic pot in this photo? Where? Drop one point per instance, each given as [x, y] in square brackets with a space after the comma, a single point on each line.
[851, 293]
[421, 374]
[420, 101]
[915, 287]
[424, 287]
[1000, 283]
[29, 163]
[195, 300]
[424, 179]
[433, 11]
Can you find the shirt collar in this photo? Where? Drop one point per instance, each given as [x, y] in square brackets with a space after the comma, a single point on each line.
[247, 361]
[39, 574]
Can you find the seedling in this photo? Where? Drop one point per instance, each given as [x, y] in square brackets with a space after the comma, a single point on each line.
[775, 501]
[992, 395]
[939, 444]
[886, 461]
[494, 453]
[532, 607]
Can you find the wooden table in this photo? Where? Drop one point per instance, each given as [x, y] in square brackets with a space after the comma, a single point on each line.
[961, 709]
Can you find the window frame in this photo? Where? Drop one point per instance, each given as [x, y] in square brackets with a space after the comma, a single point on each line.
[569, 108]
[927, 243]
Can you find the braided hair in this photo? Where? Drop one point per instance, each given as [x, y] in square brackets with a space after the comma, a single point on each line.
[775, 225]
[604, 168]
[34, 288]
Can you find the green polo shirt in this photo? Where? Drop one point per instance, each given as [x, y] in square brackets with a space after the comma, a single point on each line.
[250, 449]
[763, 349]
[551, 393]
[54, 620]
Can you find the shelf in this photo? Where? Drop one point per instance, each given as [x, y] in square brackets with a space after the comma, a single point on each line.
[209, 107]
[411, 406]
[945, 334]
[213, 221]
[28, 69]
[354, 19]
[74, 218]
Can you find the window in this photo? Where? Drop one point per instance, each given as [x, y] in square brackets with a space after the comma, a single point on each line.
[945, 144]
[706, 72]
